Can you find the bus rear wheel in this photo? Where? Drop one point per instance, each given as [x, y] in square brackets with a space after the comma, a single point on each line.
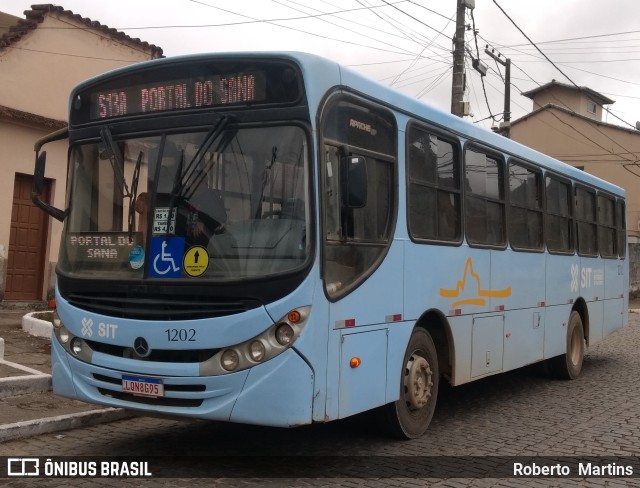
[410, 415]
[569, 365]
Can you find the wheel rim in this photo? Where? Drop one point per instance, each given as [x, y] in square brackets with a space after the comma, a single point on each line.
[418, 382]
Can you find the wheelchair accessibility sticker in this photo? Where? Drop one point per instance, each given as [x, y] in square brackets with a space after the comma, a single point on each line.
[166, 257]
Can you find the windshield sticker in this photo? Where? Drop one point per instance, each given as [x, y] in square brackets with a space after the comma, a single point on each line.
[166, 257]
[161, 222]
[196, 261]
[136, 257]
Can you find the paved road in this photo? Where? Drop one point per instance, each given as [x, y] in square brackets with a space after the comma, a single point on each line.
[515, 414]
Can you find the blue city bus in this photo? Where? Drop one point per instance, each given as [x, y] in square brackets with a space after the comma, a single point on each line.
[274, 239]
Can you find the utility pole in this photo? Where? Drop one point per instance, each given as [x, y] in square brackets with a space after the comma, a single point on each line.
[457, 88]
[505, 126]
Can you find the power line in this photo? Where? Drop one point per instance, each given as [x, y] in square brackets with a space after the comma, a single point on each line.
[552, 63]
[377, 39]
[413, 63]
[596, 36]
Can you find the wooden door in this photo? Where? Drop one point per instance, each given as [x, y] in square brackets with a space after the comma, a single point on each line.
[27, 243]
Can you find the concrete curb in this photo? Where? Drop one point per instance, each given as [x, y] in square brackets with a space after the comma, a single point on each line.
[23, 385]
[29, 428]
[35, 326]
[33, 382]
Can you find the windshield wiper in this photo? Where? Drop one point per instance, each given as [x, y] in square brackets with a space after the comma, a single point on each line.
[110, 151]
[134, 194]
[190, 170]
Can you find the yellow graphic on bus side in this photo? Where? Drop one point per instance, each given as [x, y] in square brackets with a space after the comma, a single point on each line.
[461, 284]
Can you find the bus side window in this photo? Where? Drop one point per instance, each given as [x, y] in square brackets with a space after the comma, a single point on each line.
[622, 229]
[586, 221]
[434, 210]
[607, 227]
[484, 199]
[559, 217]
[525, 223]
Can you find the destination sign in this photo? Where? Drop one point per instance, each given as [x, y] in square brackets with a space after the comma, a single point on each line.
[101, 247]
[186, 86]
[180, 94]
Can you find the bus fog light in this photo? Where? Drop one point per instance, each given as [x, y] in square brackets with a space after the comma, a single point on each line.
[257, 351]
[63, 335]
[76, 346]
[230, 360]
[284, 334]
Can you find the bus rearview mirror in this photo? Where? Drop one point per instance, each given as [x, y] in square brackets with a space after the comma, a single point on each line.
[38, 188]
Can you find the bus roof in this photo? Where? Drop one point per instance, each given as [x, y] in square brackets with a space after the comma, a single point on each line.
[321, 75]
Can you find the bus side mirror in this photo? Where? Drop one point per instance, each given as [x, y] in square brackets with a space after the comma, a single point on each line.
[354, 182]
[38, 188]
[38, 173]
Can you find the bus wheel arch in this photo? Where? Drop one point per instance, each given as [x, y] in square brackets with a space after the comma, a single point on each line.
[581, 307]
[426, 357]
[568, 366]
[436, 324]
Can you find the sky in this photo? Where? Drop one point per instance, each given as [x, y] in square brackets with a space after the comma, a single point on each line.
[408, 43]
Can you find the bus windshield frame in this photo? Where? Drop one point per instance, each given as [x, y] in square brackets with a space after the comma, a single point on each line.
[258, 231]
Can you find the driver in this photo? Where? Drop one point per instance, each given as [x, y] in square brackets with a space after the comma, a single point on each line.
[207, 215]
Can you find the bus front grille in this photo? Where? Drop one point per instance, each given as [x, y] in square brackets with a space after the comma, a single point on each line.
[156, 355]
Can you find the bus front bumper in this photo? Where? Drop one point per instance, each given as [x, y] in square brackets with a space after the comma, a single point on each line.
[276, 393]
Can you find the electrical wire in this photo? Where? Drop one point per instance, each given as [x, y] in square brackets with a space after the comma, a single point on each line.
[552, 63]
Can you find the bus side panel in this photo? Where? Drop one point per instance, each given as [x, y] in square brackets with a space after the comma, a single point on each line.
[555, 330]
[461, 334]
[362, 386]
[524, 337]
[379, 297]
[399, 335]
[446, 278]
[563, 280]
[518, 286]
[614, 295]
[562, 289]
[592, 290]
[517, 280]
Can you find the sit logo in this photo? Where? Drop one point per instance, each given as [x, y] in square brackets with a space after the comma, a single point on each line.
[105, 330]
[585, 277]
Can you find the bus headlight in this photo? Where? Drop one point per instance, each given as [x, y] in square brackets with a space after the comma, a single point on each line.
[63, 335]
[285, 335]
[257, 351]
[230, 360]
[267, 345]
[76, 346]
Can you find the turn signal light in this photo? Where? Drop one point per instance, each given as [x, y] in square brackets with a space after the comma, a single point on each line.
[294, 317]
[355, 362]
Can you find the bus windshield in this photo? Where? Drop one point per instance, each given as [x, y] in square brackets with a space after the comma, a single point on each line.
[224, 204]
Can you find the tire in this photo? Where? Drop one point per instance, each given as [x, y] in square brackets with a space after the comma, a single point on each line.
[569, 365]
[410, 415]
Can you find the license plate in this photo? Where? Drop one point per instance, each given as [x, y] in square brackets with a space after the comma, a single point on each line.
[139, 385]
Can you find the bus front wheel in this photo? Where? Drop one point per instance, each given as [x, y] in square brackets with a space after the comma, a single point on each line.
[569, 365]
[410, 415]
